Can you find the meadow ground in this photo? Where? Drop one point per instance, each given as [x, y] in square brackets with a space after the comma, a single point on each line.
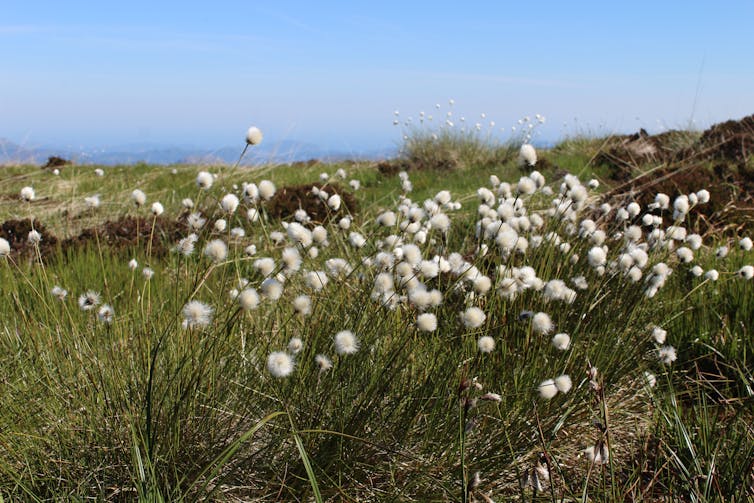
[447, 326]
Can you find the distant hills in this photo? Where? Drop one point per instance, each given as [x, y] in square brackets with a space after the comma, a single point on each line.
[283, 152]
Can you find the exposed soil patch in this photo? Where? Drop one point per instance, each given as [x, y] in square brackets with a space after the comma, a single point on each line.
[718, 160]
[16, 232]
[126, 232]
[731, 141]
[288, 200]
[56, 162]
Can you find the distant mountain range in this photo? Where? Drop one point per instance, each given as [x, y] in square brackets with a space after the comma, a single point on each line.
[283, 152]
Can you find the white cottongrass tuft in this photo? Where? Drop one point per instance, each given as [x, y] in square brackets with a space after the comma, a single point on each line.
[28, 194]
[280, 364]
[271, 288]
[216, 250]
[527, 155]
[426, 322]
[196, 314]
[34, 237]
[712, 275]
[229, 203]
[547, 389]
[59, 292]
[106, 314]
[541, 323]
[248, 299]
[563, 383]
[266, 189]
[561, 341]
[746, 244]
[89, 300]
[346, 343]
[473, 317]
[486, 344]
[746, 272]
[323, 362]
[659, 335]
[295, 345]
[92, 201]
[139, 197]
[303, 305]
[204, 180]
[253, 136]
[4, 247]
[147, 272]
[334, 202]
[157, 209]
[667, 354]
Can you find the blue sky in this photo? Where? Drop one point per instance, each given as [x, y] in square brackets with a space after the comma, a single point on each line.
[329, 73]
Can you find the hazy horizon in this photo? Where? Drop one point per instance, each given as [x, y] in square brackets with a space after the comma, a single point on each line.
[87, 75]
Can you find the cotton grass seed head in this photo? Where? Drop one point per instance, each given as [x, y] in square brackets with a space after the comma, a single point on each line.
[4, 247]
[323, 362]
[105, 314]
[280, 364]
[563, 383]
[248, 299]
[295, 345]
[89, 300]
[229, 203]
[196, 314]
[216, 250]
[303, 305]
[547, 389]
[561, 341]
[253, 136]
[59, 292]
[667, 354]
[27, 194]
[542, 323]
[486, 344]
[426, 322]
[204, 180]
[346, 343]
[473, 317]
[139, 197]
[527, 156]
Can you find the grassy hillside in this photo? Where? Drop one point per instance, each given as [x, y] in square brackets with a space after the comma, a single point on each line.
[466, 330]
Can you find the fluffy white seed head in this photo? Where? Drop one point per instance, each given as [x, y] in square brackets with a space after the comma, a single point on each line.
[196, 314]
[216, 250]
[204, 180]
[346, 343]
[486, 344]
[527, 155]
[266, 189]
[248, 299]
[253, 136]
[541, 323]
[561, 341]
[547, 389]
[229, 203]
[139, 197]
[280, 364]
[473, 317]
[303, 305]
[28, 194]
[426, 322]
[4, 247]
[563, 383]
